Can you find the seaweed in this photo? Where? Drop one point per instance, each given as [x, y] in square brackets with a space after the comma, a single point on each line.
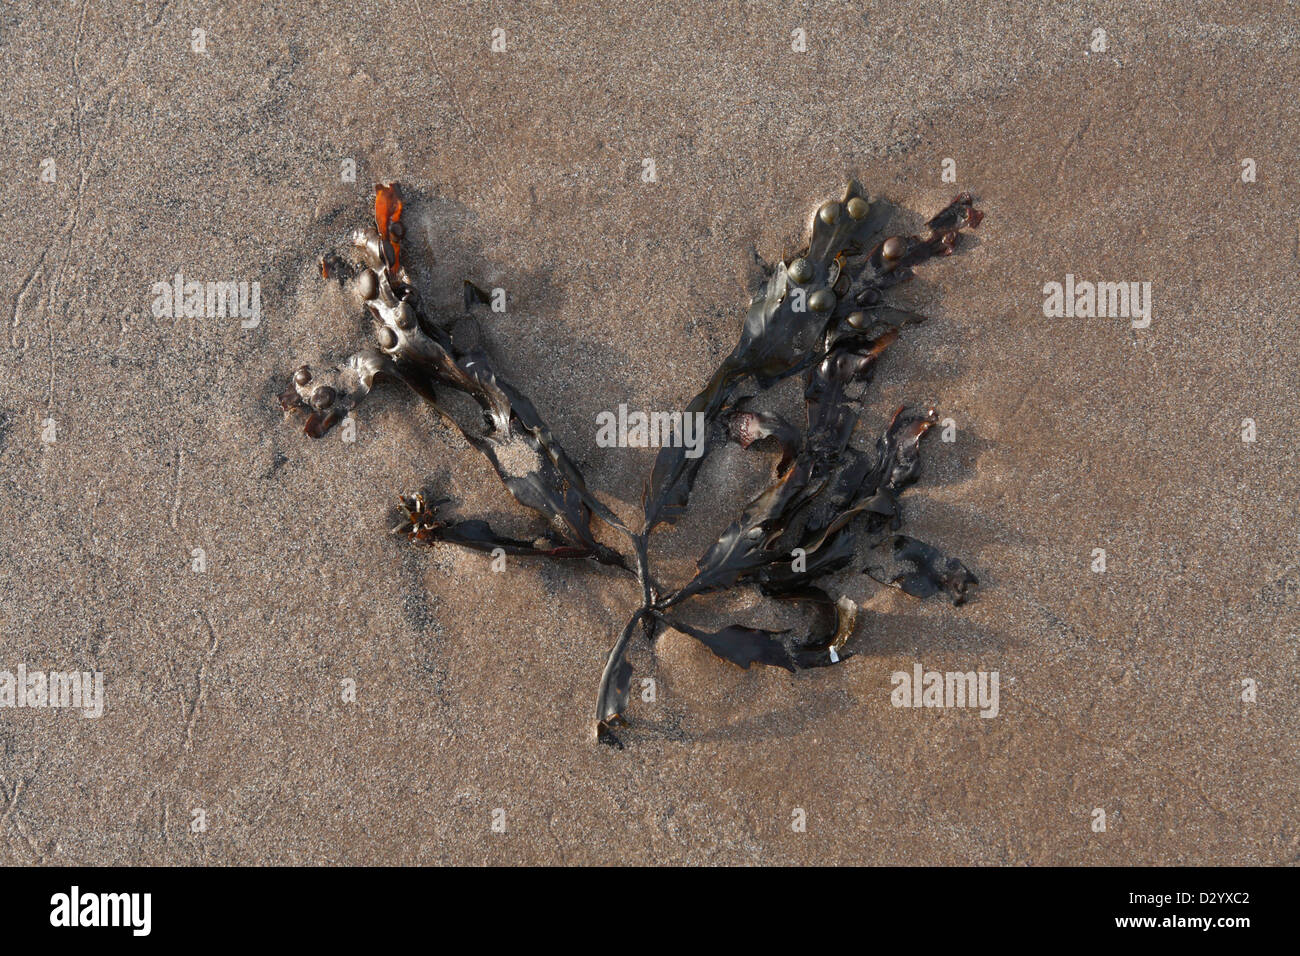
[933, 572]
[821, 314]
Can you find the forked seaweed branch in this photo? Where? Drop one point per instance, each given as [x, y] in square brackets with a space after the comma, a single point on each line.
[821, 314]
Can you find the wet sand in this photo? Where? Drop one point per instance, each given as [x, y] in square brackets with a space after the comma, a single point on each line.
[1120, 691]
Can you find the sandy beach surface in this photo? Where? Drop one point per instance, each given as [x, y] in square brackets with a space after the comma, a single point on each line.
[1162, 692]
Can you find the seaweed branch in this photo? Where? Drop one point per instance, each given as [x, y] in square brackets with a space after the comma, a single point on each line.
[820, 314]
